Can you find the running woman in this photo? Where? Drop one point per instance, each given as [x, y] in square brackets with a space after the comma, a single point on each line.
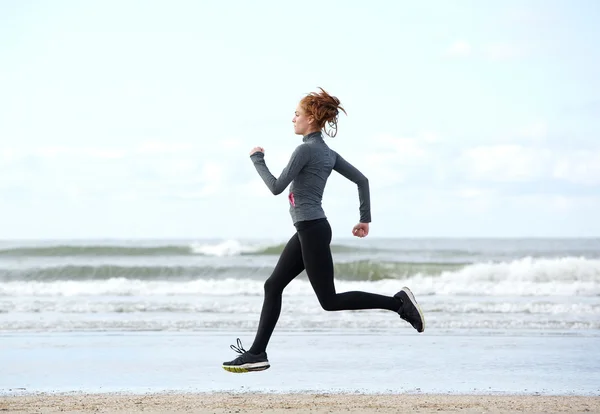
[308, 249]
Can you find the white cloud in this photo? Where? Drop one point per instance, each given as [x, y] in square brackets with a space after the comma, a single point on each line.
[536, 131]
[52, 152]
[255, 186]
[401, 149]
[383, 169]
[231, 144]
[458, 49]
[474, 192]
[504, 163]
[205, 191]
[153, 169]
[174, 168]
[7, 154]
[430, 136]
[516, 163]
[579, 167]
[158, 147]
[503, 51]
[553, 203]
[76, 152]
[476, 180]
[392, 159]
[104, 152]
[100, 153]
[476, 200]
[212, 171]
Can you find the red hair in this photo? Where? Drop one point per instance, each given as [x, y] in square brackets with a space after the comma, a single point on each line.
[324, 108]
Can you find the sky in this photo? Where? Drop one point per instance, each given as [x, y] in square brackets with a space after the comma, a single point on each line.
[134, 119]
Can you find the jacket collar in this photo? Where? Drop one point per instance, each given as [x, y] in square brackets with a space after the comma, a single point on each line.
[313, 136]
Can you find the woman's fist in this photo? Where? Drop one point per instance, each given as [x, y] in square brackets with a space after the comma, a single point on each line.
[361, 229]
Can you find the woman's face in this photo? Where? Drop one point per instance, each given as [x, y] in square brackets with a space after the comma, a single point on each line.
[302, 123]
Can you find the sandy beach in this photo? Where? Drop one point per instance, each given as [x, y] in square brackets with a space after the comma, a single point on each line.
[295, 403]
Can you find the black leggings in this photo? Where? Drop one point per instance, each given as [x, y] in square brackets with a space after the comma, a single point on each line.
[308, 249]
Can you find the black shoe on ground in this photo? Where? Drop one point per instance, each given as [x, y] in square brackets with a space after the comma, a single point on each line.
[246, 362]
[410, 310]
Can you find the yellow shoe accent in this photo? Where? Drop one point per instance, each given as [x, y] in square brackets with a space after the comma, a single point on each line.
[237, 370]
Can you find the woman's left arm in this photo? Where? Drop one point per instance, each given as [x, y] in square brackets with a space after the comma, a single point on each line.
[299, 158]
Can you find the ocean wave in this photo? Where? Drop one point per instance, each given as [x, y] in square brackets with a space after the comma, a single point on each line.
[95, 250]
[277, 249]
[435, 277]
[353, 270]
[526, 277]
[179, 305]
[217, 249]
[136, 273]
[69, 324]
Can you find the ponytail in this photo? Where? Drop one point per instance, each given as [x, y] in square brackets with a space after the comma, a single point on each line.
[324, 108]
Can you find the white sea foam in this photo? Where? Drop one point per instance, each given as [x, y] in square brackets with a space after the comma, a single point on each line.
[301, 306]
[523, 277]
[225, 248]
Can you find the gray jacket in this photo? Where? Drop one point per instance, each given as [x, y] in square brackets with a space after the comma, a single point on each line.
[307, 170]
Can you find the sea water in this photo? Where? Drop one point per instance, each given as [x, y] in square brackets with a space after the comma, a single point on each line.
[478, 284]
[517, 316]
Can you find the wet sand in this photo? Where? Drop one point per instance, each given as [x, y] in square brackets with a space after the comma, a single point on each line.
[255, 403]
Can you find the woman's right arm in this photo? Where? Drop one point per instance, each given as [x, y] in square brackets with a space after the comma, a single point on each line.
[353, 174]
[298, 160]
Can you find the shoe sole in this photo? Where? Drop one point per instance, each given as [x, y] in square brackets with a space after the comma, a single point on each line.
[416, 305]
[240, 369]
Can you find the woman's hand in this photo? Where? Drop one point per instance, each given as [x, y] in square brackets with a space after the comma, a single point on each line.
[361, 230]
[257, 149]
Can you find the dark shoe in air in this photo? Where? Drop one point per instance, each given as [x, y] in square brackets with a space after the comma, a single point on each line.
[246, 362]
[410, 310]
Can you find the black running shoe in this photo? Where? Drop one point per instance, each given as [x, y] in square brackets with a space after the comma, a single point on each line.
[246, 362]
[410, 310]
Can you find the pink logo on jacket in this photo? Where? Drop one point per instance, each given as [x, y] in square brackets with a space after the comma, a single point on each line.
[291, 198]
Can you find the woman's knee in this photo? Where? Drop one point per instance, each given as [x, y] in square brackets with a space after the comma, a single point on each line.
[272, 287]
[328, 303]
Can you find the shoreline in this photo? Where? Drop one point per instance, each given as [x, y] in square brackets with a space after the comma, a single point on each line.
[18, 392]
[329, 402]
[402, 363]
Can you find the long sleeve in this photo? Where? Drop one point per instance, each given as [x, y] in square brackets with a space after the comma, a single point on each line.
[299, 158]
[353, 174]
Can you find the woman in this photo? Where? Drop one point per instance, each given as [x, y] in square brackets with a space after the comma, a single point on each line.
[308, 249]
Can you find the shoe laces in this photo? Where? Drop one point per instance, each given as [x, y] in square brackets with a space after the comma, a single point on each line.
[239, 348]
